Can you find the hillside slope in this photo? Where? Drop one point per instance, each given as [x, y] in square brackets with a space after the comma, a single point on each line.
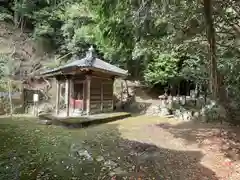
[14, 41]
[29, 54]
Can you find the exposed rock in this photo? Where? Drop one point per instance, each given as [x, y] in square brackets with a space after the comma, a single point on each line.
[183, 114]
[165, 112]
[177, 113]
[196, 114]
[187, 116]
[153, 110]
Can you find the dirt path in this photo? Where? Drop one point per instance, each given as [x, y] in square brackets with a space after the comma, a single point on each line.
[192, 151]
[135, 148]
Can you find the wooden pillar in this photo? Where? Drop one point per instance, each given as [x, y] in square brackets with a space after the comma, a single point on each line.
[84, 96]
[67, 95]
[72, 93]
[101, 96]
[112, 94]
[57, 97]
[122, 94]
[88, 103]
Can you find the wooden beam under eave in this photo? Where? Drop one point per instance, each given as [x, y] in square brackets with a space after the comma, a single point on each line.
[82, 70]
[93, 69]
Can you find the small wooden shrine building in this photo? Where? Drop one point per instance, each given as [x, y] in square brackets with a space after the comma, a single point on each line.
[88, 84]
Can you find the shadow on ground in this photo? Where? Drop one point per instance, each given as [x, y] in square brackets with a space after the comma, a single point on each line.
[32, 151]
[224, 137]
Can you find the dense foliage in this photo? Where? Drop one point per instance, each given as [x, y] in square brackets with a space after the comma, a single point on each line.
[157, 41]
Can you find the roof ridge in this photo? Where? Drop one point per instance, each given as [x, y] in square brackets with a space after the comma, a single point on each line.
[91, 60]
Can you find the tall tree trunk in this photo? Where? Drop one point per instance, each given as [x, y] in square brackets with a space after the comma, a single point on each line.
[16, 15]
[16, 19]
[22, 24]
[210, 30]
[217, 86]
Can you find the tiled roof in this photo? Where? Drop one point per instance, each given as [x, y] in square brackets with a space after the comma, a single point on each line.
[90, 61]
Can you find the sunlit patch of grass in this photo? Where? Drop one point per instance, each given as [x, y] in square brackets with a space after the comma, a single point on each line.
[144, 120]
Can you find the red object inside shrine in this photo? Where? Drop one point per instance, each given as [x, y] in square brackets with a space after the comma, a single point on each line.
[76, 103]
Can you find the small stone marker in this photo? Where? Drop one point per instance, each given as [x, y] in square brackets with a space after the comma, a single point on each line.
[35, 100]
